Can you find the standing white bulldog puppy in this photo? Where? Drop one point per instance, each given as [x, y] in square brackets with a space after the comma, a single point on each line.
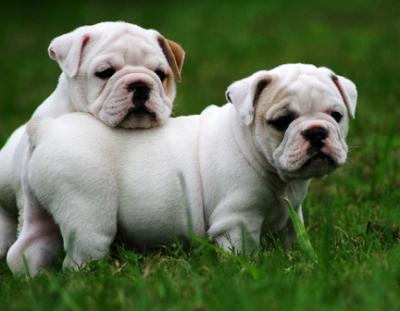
[120, 73]
[222, 173]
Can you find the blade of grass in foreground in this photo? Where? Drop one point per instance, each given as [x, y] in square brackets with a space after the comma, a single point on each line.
[301, 233]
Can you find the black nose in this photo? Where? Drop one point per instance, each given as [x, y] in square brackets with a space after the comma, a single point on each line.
[315, 136]
[140, 90]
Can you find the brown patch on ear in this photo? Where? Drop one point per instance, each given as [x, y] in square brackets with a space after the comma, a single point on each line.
[259, 88]
[168, 83]
[335, 80]
[175, 55]
[260, 111]
[85, 41]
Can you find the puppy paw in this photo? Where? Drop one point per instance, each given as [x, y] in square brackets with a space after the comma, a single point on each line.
[31, 256]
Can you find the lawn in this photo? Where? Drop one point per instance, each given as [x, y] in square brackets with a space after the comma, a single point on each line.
[352, 217]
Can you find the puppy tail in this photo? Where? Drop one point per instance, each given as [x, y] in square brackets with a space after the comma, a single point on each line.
[35, 129]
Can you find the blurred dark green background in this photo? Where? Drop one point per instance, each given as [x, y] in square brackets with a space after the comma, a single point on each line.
[225, 41]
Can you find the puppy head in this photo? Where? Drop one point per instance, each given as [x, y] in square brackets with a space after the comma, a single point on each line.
[121, 73]
[298, 116]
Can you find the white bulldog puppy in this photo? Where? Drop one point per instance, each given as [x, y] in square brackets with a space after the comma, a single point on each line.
[222, 174]
[120, 73]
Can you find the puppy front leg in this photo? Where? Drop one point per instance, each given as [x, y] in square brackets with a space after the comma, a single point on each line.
[287, 234]
[240, 235]
[238, 241]
[39, 240]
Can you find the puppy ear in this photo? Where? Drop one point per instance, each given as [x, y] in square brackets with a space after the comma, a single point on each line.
[243, 94]
[175, 55]
[348, 91]
[67, 50]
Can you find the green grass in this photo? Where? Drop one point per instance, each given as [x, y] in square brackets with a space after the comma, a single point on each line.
[358, 264]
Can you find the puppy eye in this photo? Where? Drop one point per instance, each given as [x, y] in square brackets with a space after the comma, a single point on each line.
[105, 74]
[337, 116]
[161, 74]
[282, 123]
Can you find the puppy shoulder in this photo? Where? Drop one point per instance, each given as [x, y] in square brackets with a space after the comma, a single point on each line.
[212, 112]
[36, 128]
[210, 109]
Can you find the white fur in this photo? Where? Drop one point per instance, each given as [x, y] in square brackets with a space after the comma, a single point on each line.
[134, 52]
[215, 174]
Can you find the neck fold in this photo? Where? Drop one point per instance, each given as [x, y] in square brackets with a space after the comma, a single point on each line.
[241, 134]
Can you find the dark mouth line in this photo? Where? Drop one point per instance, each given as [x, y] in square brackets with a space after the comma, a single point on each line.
[139, 112]
[320, 155]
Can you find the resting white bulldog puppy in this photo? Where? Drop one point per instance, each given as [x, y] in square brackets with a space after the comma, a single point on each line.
[120, 73]
[222, 173]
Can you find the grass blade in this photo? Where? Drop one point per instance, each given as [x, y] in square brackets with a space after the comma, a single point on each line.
[301, 233]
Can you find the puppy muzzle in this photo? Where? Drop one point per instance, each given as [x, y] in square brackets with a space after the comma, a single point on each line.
[136, 100]
[310, 149]
[140, 96]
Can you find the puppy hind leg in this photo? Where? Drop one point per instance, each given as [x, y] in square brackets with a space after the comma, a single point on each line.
[39, 241]
[88, 228]
[85, 208]
[81, 196]
[8, 209]
[8, 231]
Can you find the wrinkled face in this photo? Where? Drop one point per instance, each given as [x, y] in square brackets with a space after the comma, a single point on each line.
[125, 75]
[306, 126]
[300, 120]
